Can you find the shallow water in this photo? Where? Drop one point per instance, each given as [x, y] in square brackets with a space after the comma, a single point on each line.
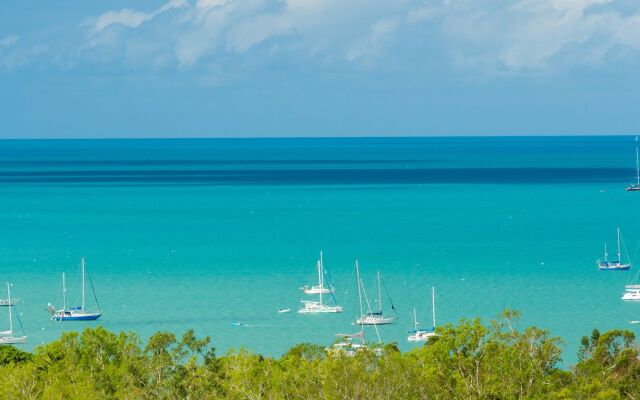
[182, 234]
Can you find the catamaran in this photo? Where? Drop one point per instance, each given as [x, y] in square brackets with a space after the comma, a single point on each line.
[78, 313]
[423, 335]
[320, 288]
[376, 318]
[634, 187]
[604, 264]
[6, 337]
[318, 307]
[631, 293]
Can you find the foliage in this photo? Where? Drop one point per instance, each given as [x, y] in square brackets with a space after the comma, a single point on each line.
[469, 360]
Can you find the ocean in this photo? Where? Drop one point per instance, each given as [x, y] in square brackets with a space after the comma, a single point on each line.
[209, 233]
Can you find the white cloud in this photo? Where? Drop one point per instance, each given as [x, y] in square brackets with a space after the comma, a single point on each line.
[204, 4]
[539, 35]
[8, 41]
[132, 18]
[483, 36]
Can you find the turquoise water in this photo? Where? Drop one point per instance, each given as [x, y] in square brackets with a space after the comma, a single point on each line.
[201, 233]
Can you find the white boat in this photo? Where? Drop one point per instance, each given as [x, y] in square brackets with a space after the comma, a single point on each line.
[604, 264]
[346, 344]
[631, 293]
[284, 310]
[6, 337]
[319, 307]
[78, 313]
[376, 318]
[7, 302]
[319, 288]
[634, 187]
[423, 335]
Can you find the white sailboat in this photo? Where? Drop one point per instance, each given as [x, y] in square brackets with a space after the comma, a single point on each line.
[634, 187]
[319, 288]
[346, 343]
[319, 307]
[375, 318]
[423, 335]
[604, 264]
[75, 313]
[6, 337]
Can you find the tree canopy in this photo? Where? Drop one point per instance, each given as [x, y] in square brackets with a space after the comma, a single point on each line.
[469, 360]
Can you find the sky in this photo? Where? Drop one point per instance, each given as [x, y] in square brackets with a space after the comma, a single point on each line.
[257, 68]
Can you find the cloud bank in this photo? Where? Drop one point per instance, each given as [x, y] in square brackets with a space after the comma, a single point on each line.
[476, 36]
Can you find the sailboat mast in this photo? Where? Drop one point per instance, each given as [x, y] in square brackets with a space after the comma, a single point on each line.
[637, 165]
[360, 299]
[320, 279]
[433, 305]
[415, 320]
[64, 294]
[82, 262]
[10, 307]
[379, 295]
[321, 271]
[618, 244]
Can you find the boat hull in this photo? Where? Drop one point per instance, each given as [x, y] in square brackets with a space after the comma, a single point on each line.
[83, 317]
[326, 310]
[421, 337]
[620, 268]
[5, 302]
[13, 340]
[374, 321]
[316, 290]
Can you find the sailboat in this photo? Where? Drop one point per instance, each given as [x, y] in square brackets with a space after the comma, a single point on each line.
[6, 337]
[346, 342]
[634, 187]
[605, 264]
[376, 318]
[423, 335]
[320, 288]
[318, 307]
[75, 313]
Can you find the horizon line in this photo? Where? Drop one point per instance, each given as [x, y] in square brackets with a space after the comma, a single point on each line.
[315, 137]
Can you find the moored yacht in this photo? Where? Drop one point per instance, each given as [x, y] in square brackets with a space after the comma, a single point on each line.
[604, 264]
[319, 307]
[376, 317]
[421, 334]
[78, 313]
[6, 337]
[631, 293]
[346, 343]
[635, 187]
[319, 288]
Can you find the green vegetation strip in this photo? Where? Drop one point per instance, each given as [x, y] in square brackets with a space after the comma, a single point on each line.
[467, 361]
